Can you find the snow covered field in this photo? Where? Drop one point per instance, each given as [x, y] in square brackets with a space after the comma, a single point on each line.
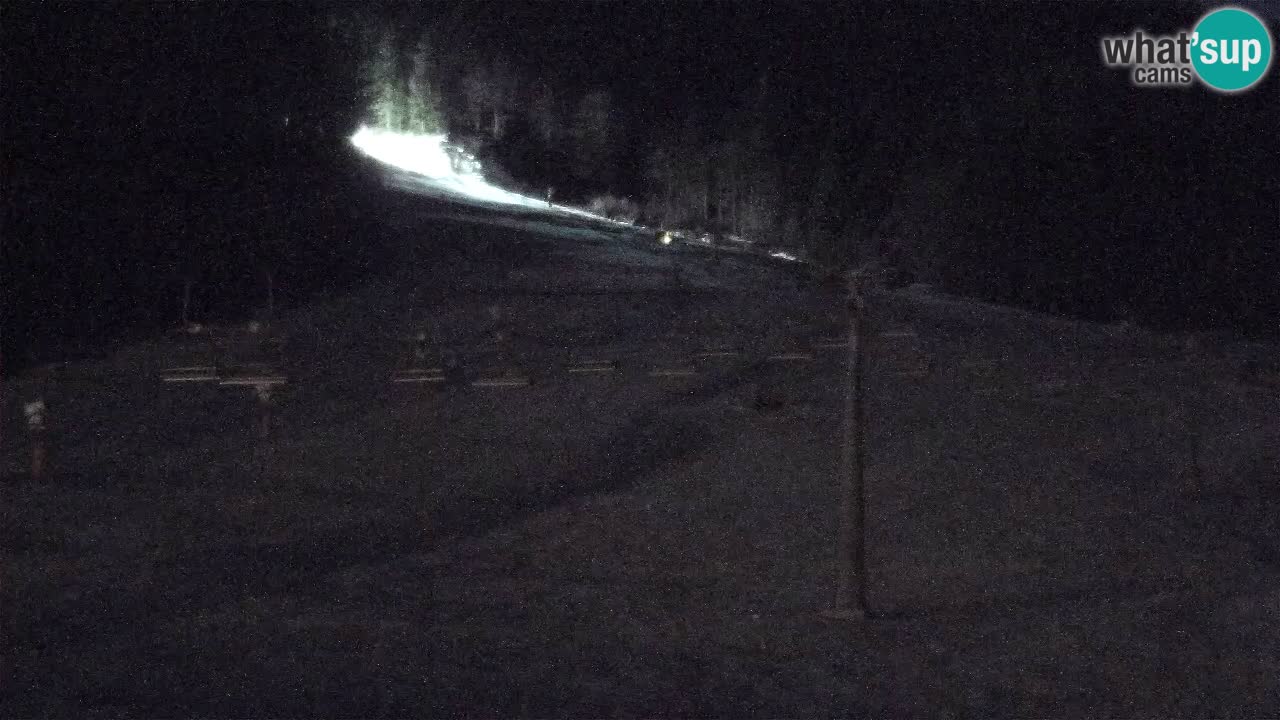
[1063, 520]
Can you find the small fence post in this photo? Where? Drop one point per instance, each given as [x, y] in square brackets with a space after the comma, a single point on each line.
[420, 351]
[500, 333]
[850, 602]
[455, 373]
[262, 392]
[37, 427]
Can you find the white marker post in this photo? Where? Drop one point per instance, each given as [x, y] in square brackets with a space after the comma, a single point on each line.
[36, 425]
[263, 386]
[262, 391]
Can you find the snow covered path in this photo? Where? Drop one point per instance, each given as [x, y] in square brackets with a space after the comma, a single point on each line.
[1063, 521]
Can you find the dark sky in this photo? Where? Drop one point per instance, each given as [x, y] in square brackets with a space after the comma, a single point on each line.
[206, 73]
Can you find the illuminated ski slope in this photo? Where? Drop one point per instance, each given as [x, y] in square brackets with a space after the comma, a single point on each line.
[426, 157]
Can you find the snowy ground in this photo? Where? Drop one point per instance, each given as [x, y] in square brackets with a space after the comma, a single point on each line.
[1063, 519]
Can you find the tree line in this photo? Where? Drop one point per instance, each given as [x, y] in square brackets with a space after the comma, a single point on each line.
[1021, 181]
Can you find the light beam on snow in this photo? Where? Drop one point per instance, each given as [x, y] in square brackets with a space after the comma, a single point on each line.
[421, 154]
[428, 157]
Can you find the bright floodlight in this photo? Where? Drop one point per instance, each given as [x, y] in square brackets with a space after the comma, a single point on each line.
[428, 157]
[421, 154]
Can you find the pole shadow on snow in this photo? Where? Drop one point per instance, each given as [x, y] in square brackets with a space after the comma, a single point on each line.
[207, 569]
[648, 441]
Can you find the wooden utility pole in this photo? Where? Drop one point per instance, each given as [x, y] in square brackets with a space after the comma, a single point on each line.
[271, 295]
[186, 304]
[850, 602]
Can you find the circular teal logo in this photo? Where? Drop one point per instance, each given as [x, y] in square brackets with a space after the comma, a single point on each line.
[1231, 49]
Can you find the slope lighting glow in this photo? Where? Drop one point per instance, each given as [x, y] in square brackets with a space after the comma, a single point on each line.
[421, 154]
[427, 156]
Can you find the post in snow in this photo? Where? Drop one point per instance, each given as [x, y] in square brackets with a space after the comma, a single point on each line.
[850, 602]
